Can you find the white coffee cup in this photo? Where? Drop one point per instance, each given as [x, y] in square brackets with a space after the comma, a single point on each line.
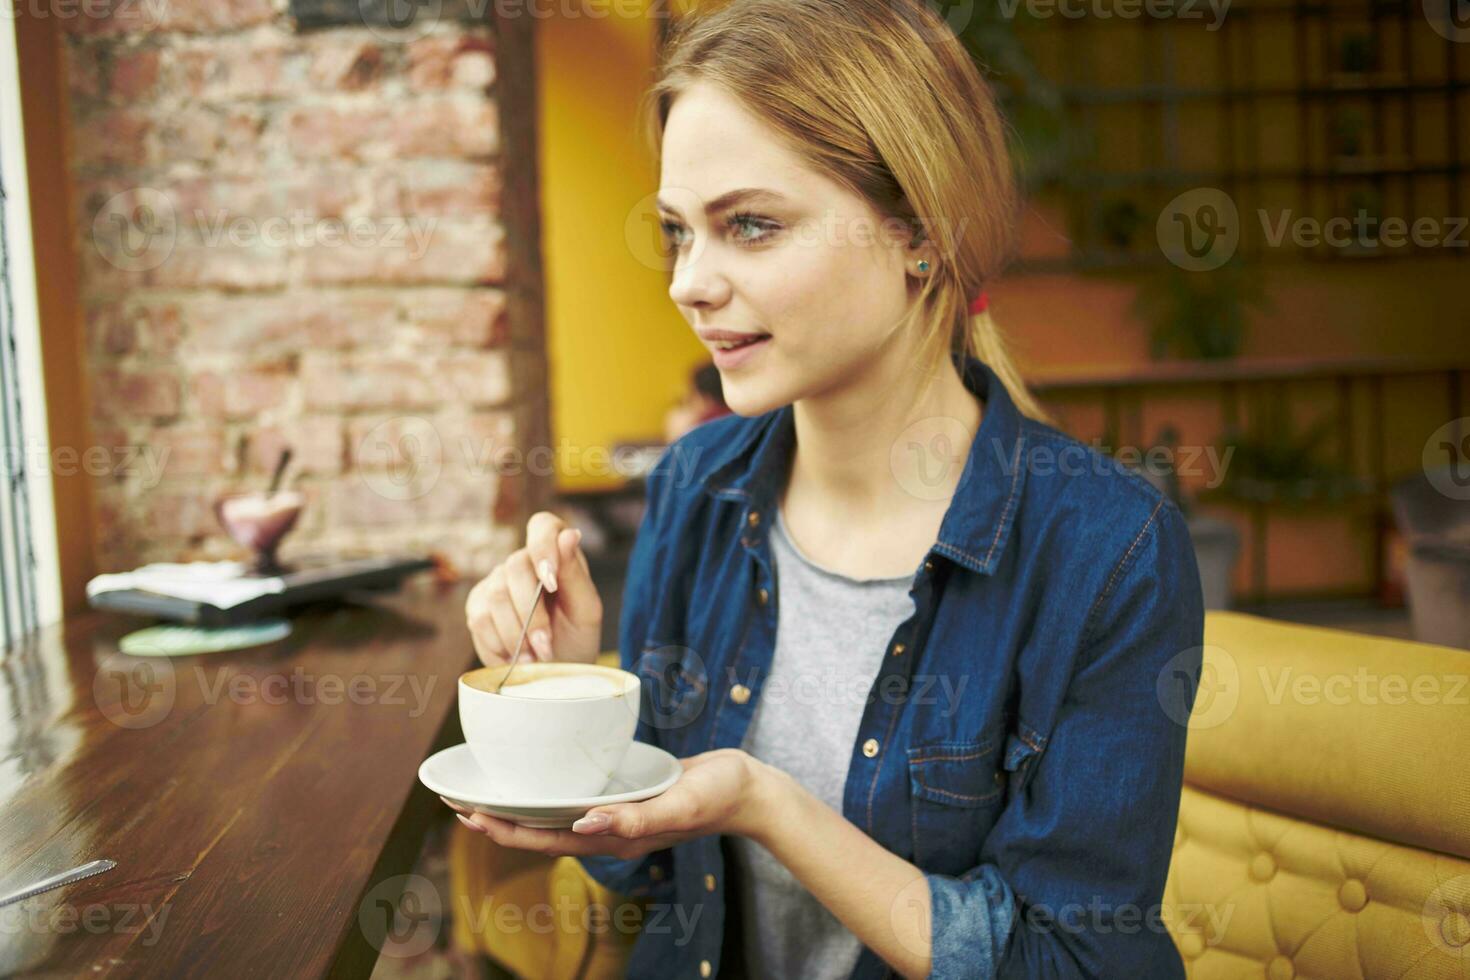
[554, 731]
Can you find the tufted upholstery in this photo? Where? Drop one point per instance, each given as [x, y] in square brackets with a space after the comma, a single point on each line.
[1324, 824]
[536, 916]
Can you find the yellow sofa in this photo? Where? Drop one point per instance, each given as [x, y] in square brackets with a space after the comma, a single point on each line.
[1324, 824]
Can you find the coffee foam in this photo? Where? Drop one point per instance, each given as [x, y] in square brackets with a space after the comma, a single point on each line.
[535, 682]
[561, 688]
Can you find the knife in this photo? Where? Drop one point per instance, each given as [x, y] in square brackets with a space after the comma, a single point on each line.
[56, 881]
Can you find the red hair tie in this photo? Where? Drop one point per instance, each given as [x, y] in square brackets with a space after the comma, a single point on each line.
[980, 303]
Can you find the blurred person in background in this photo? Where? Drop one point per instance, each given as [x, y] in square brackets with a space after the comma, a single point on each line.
[703, 402]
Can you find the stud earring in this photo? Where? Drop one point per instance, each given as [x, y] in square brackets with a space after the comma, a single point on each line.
[923, 265]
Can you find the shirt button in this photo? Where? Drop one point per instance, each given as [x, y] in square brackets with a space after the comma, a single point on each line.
[656, 873]
[754, 518]
[704, 968]
[740, 694]
[709, 883]
[898, 648]
[870, 747]
[763, 597]
[928, 566]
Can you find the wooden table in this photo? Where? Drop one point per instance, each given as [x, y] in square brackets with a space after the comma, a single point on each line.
[262, 805]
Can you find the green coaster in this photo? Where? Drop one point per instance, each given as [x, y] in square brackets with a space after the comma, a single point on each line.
[176, 640]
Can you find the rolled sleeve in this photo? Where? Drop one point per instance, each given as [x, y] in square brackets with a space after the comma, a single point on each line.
[1074, 870]
[973, 917]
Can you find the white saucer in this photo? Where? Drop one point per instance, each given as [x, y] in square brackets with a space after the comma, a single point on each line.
[453, 773]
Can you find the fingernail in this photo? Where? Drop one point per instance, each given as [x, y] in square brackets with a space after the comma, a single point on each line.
[548, 577]
[578, 539]
[541, 643]
[454, 806]
[468, 823]
[593, 823]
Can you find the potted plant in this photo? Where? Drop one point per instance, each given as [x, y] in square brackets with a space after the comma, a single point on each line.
[1199, 314]
[1272, 462]
[1357, 54]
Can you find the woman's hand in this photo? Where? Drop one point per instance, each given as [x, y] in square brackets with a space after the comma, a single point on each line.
[567, 624]
[720, 792]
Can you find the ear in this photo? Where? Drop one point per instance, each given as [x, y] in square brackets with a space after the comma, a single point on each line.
[919, 247]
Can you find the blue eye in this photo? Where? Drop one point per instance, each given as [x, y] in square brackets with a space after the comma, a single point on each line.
[671, 231]
[748, 229]
[761, 226]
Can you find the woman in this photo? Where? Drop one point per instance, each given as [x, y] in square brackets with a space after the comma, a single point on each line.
[1003, 626]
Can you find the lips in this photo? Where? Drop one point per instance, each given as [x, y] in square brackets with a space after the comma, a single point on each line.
[731, 350]
[731, 339]
[742, 342]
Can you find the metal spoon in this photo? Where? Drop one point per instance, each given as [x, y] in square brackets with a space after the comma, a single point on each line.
[540, 588]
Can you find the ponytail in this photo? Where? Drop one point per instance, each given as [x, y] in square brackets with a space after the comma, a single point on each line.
[982, 339]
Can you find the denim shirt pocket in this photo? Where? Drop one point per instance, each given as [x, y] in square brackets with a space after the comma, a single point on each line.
[957, 790]
[675, 691]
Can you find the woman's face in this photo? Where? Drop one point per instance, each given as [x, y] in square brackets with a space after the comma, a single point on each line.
[806, 265]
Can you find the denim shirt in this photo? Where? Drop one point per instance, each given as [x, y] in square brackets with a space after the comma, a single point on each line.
[1023, 743]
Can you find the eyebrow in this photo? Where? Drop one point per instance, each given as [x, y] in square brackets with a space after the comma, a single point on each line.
[728, 200]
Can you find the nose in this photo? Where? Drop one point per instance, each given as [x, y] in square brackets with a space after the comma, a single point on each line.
[696, 284]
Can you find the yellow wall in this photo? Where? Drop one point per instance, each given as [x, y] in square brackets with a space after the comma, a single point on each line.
[620, 353]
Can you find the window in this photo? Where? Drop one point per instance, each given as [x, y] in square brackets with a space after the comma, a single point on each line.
[30, 594]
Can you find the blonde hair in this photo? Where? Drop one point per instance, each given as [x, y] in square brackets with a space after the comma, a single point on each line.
[880, 96]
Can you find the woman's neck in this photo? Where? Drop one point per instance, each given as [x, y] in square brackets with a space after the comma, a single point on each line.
[878, 447]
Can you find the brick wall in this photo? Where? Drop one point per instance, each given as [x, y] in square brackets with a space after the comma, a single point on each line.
[318, 238]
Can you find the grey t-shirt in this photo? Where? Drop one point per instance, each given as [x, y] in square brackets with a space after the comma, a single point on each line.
[832, 633]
